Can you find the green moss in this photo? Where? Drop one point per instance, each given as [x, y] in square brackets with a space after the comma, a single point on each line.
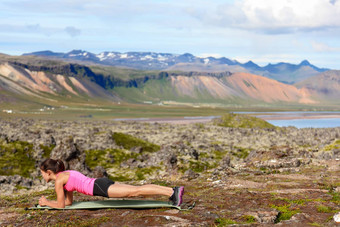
[46, 150]
[295, 201]
[112, 159]
[220, 222]
[206, 161]
[12, 200]
[121, 178]
[219, 155]
[325, 209]
[333, 146]
[161, 183]
[285, 212]
[16, 158]
[198, 166]
[128, 142]
[200, 126]
[19, 187]
[314, 224]
[335, 197]
[249, 218]
[232, 120]
[241, 152]
[141, 172]
[108, 158]
[75, 220]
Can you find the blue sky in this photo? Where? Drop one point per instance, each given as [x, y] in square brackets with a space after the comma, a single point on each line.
[265, 31]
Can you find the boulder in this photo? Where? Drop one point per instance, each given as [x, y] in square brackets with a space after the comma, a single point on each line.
[73, 158]
[264, 216]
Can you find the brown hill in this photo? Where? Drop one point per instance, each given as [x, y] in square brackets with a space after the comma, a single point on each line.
[241, 85]
[21, 81]
[325, 86]
[40, 81]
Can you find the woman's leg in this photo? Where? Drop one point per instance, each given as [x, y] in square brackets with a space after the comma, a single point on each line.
[118, 190]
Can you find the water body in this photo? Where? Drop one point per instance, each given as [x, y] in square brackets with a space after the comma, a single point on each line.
[308, 123]
[281, 119]
[315, 119]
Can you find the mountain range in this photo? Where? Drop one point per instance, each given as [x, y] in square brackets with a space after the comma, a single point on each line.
[51, 79]
[284, 72]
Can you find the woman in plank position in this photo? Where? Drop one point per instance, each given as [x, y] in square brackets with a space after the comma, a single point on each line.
[70, 180]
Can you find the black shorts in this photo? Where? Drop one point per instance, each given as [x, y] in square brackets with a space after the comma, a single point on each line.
[101, 186]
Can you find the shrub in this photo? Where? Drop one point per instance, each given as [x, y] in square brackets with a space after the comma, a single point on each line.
[232, 120]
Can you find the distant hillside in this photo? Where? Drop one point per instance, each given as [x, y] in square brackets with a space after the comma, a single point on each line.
[325, 86]
[236, 88]
[35, 79]
[39, 84]
[283, 72]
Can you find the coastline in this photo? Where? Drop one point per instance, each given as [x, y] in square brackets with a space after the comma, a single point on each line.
[263, 116]
[292, 117]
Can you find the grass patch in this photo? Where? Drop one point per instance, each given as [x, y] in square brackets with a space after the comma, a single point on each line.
[249, 218]
[140, 173]
[16, 158]
[206, 161]
[295, 201]
[333, 146]
[232, 120]
[46, 150]
[81, 222]
[12, 200]
[128, 142]
[113, 158]
[335, 197]
[198, 166]
[108, 158]
[325, 209]
[240, 152]
[285, 212]
[220, 222]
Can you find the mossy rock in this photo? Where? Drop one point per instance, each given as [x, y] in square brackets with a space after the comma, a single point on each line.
[240, 152]
[46, 150]
[334, 146]
[16, 158]
[220, 222]
[108, 158]
[206, 161]
[232, 120]
[128, 142]
[285, 212]
[111, 160]
[142, 173]
[249, 219]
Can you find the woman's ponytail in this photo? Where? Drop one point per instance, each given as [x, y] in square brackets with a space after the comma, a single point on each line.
[60, 166]
[55, 166]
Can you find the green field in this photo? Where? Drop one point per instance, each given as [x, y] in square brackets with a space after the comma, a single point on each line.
[101, 110]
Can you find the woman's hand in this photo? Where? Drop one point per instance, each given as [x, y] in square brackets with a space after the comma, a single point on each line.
[42, 201]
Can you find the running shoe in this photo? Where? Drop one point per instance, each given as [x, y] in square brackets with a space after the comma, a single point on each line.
[176, 197]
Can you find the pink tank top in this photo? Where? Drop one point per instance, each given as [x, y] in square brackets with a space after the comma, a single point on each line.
[79, 182]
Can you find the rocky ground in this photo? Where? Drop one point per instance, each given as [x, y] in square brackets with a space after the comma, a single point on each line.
[236, 176]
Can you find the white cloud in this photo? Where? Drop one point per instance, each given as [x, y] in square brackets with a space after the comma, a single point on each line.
[72, 31]
[273, 16]
[322, 47]
[37, 30]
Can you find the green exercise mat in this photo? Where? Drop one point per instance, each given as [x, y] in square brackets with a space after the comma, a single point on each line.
[107, 204]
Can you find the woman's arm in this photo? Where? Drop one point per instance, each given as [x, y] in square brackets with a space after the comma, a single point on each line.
[69, 198]
[60, 203]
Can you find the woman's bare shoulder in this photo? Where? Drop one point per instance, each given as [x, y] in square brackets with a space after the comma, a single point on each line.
[63, 177]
